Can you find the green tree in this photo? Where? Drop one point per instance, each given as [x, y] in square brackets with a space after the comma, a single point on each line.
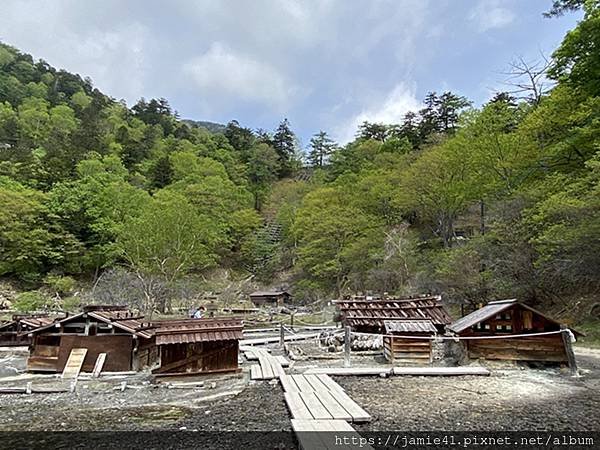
[284, 143]
[168, 239]
[263, 166]
[321, 147]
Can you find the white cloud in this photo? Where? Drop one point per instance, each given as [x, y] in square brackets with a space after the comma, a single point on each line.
[489, 14]
[238, 76]
[390, 110]
[113, 55]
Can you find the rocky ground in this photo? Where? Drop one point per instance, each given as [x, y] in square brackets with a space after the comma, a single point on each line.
[513, 398]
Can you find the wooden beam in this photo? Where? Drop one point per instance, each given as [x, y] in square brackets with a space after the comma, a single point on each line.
[99, 365]
[566, 337]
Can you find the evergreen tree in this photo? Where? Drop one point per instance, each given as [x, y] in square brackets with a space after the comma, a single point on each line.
[284, 143]
[321, 146]
[374, 131]
[161, 174]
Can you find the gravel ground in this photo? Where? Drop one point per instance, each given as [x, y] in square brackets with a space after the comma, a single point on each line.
[510, 399]
[515, 399]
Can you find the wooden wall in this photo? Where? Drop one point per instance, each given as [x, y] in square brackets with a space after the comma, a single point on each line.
[43, 353]
[145, 354]
[396, 349]
[516, 320]
[534, 348]
[10, 339]
[118, 349]
[198, 357]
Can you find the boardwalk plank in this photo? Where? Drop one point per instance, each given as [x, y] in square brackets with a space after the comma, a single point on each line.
[303, 385]
[296, 405]
[314, 405]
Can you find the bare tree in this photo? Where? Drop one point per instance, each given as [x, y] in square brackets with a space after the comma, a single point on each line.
[528, 78]
[122, 287]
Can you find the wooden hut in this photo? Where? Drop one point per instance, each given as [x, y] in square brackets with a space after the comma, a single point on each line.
[511, 317]
[369, 316]
[401, 342]
[15, 332]
[260, 298]
[127, 341]
[198, 346]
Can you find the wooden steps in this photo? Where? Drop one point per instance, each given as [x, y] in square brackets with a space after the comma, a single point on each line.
[319, 397]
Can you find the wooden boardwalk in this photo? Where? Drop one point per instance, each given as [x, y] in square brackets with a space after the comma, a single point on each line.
[320, 407]
[318, 397]
[324, 434]
[274, 339]
[269, 367]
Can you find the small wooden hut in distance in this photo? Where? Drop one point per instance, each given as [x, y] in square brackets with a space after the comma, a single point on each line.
[511, 317]
[260, 298]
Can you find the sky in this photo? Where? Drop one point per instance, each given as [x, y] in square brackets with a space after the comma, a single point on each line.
[324, 64]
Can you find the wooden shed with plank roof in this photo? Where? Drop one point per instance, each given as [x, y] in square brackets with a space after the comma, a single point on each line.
[15, 332]
[127, 340]
[198, 346]
[405, 340]
[370, 316]
[260, 298]
[541, 340]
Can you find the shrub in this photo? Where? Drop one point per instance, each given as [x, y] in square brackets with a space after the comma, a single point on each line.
[31, 301]
[71, 304]
[61, 285]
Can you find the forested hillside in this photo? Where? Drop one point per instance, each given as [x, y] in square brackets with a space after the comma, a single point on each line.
[474, 202]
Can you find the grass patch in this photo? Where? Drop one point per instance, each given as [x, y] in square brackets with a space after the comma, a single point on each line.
[591, 328]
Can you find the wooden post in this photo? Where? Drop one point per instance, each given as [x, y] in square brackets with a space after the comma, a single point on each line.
[281, 335]
[566, 337]
[347, 347]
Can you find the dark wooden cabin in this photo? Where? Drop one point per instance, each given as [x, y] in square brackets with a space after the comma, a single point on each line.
[260, 298]
[198, 346]
[128, 341]
[15, 332]
[510, 317]
[398, 348]
[369, 316]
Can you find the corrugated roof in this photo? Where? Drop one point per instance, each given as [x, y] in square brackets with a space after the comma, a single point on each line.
[409, 326]
[197, 330]
[376, 312]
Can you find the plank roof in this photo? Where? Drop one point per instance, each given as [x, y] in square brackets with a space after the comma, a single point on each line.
[122, 319]
[490, 310]
[409, 326]
[376, 312]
